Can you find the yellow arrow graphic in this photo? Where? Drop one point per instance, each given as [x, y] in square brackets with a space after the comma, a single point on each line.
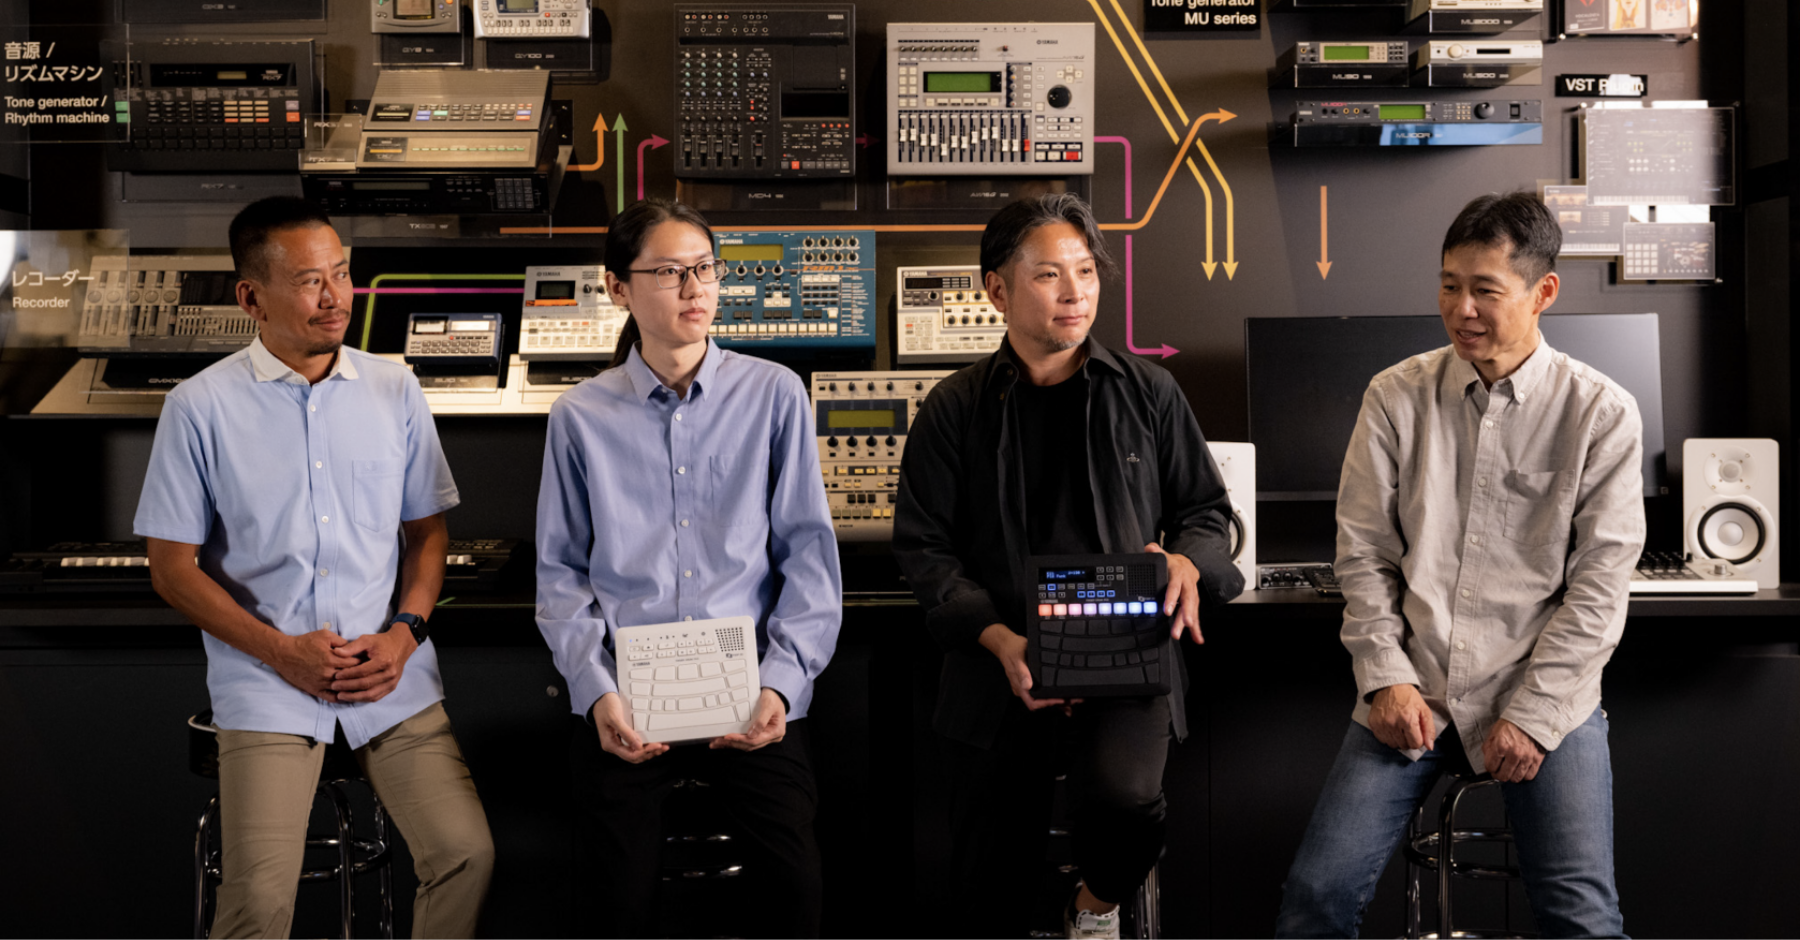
[599, 145]
[1225, 187]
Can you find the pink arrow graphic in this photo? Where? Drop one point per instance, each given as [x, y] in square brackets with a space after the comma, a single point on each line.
[653, 143]
[1165, 350]
[864, 140]
[1127, 145]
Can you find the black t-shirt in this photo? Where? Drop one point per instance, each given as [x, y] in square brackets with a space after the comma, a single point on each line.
[1059, 502]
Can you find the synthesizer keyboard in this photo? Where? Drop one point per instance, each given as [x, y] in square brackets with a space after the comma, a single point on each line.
[1097, 627]
[688, 681]
[1678, 573]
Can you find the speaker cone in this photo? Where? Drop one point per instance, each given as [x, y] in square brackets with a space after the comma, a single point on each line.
[1732, 532]
[1236, 529]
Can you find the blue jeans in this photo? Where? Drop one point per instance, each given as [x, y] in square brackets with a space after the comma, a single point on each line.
[1562, 822]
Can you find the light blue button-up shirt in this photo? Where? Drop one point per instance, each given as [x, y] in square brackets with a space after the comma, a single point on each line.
[295, 493]
[657, 509]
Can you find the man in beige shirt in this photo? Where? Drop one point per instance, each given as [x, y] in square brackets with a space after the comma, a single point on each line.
[1489, 516]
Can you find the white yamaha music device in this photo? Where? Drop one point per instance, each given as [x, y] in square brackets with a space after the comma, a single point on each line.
[971, 99]
[942, 314]
[1237, 466]
[532, 19]
[862, 420]
[1730, 500]
[688, 681]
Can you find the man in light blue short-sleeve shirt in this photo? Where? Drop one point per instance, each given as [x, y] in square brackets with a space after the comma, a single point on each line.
[290, 485]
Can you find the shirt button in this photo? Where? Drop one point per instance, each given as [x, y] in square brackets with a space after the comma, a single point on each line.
[1474, 540]
[688, 573]
[688, 617]
[327, 624]
[312, 407]
[1481, 482]
[324, 572]
[1487, 424]
[684, 523]
[324, 518]
[1461, 645]
[678, 416]
[680, 469]
[1466, 592]
[318, 464]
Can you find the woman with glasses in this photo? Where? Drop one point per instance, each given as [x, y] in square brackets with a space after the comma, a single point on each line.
[683, 484]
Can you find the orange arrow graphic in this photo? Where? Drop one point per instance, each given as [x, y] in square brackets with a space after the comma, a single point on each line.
[599, 145]
[1324, 261]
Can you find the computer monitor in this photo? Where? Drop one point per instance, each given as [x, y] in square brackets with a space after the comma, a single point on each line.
[1307, 376]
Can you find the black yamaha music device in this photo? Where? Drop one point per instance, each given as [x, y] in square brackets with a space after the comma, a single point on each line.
[213, 107]
[1095, 626]
[764, 92]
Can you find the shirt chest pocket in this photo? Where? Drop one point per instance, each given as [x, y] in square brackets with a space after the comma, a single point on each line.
[1539, 506]
[739, 490]
[376, 487]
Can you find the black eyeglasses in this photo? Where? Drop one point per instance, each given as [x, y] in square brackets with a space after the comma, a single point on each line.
[670, 276]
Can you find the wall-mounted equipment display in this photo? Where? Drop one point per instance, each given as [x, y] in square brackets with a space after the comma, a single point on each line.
[1669, 251]
[441, 142]
[808, 289]
[1473, 16]
[213, 106]
[1586, 229]
[163, 304]
[862, 419]
[1658, 156]
[415, 16]
[1673, 18]
[1417, 123]
[568, 315]
[1477, 64]
[1343, 65]
[455, 352]
[942, 314]
[204, 12]
[990, 99]
[764, 92]
[532, 19]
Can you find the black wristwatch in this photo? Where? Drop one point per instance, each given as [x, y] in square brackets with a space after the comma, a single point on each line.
[416, 624]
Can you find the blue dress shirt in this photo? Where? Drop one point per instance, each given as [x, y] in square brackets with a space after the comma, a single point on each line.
[657, 509]
[295, 493]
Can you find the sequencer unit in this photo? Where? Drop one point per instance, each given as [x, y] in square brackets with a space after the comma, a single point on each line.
[969, 99]
[796, 289]
[764, 92]
[862, 420]
[532, 19]
[168, 304]
[568, 315]
[942, 314]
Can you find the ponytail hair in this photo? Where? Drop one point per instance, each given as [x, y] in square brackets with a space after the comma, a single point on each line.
[625, 239]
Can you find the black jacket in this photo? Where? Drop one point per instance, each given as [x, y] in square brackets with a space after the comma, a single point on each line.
[959, 530]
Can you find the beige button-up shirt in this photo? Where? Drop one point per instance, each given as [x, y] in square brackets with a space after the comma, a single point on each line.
[1486, 539]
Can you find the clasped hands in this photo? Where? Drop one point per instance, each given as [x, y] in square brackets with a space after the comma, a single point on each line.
[1400, 719]
[328, 667]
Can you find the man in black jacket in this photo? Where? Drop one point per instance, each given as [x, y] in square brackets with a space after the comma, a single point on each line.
[1052, 445]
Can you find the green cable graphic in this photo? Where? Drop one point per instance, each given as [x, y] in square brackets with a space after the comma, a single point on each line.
[369, 310]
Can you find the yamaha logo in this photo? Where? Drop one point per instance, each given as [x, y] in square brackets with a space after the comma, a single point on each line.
[1416, 135]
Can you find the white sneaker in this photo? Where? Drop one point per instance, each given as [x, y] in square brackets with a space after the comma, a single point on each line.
[1087, 925]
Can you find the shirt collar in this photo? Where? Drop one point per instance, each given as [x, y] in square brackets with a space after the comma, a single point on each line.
[270, 369]
[644, 382]
[1461, 375]
[1097, 355]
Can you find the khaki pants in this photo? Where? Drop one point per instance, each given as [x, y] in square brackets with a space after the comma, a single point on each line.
[266, 784]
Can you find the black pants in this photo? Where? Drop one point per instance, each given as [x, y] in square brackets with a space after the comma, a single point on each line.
[1113, 751]
[769, 794]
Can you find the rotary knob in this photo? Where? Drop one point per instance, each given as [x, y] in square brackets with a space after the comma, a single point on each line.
[1059, 97]
[1457, 50]
[1484, 110]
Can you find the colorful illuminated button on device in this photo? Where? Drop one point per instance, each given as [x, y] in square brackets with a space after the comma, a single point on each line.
[1095, 626]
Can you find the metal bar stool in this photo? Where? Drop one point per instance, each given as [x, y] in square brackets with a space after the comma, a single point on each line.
[354, 855]
[701, 865]
[1435, 851]
[1143, 910]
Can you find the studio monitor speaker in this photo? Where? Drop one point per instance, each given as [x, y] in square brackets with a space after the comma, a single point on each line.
[1237, 465]
[1730, 501]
